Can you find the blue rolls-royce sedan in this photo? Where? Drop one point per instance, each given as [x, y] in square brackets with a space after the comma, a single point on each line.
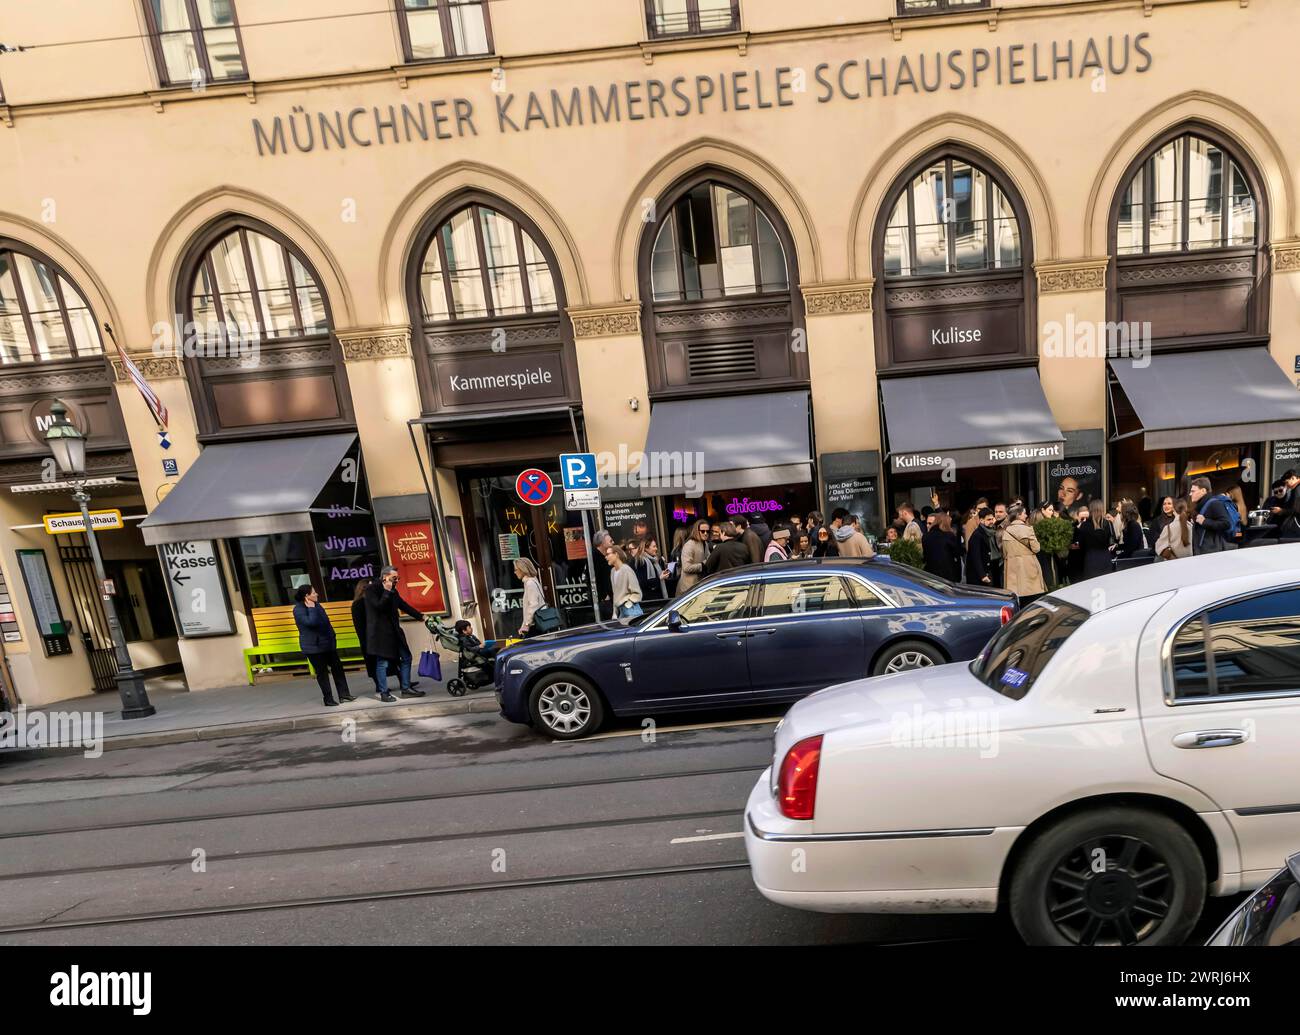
[757, 635]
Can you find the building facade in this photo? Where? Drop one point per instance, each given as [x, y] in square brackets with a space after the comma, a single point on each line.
[378, 257]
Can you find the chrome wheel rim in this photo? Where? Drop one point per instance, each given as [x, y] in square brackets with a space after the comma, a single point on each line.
[908, 659]
[564, 707]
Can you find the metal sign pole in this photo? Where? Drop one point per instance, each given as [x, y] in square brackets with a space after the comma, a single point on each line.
[591, 567]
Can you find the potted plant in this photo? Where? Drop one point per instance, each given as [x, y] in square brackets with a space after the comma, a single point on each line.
[1054, 537]
[907, 551]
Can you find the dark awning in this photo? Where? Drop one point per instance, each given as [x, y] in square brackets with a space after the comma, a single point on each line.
[727, 442]
[984, 418]
[1210, 397]
[248, 488]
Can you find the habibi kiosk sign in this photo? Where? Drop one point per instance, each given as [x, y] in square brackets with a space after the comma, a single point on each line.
[411, 550]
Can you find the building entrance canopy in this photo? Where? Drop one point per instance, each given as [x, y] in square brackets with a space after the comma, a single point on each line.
[727, 442]
[1210, 396]
[248, 488]
[983, 418]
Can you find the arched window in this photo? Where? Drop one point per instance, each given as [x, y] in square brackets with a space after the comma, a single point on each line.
[1186, 196]
[716, 243]
[481, 264]
[487, 308]
[253, 285]
[955, 260]
[43, 317]
[952, 217]
[267, 358]
[717, 270]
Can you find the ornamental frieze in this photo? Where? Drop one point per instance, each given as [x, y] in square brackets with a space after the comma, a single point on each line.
[832, 299]
[375, 344]
[1061, 277]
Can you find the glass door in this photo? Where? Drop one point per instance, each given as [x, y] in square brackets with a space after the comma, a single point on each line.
[504, 530]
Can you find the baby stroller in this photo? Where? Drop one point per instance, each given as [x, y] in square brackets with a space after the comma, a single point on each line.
[473, 670]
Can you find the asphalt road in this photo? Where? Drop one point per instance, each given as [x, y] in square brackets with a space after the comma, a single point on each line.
[460, 830]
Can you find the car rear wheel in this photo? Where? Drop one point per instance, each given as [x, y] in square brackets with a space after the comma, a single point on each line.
[1120, 877]
[566, 706]
[906, 655]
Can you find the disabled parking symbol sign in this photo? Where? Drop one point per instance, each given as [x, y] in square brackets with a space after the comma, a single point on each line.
[534, 487]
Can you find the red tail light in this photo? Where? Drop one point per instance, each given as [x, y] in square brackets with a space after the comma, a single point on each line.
[1007, 612]
[797, 787]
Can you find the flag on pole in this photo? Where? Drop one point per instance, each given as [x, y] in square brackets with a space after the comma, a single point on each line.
[150, 397]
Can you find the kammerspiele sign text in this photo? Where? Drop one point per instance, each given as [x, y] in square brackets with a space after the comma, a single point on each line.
[683, 96]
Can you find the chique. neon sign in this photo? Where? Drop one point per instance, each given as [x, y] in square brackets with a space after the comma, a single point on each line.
[748, 506]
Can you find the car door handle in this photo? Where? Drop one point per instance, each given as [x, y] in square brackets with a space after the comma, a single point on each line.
[761, 632]
[1210, 739]
[728, 635]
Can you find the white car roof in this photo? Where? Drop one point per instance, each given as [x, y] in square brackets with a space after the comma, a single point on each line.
[1148, 579]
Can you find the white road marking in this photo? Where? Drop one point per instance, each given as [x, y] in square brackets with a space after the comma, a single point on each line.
[660, 730]
[706, 837]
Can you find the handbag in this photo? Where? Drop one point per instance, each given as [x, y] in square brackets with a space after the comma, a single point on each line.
[431, 665]
[630, 609]
[546, 619]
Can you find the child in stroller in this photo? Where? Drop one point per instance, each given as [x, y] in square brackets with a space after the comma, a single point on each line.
[475, 660]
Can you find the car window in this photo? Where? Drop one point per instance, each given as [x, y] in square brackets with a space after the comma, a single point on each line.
[1021, 649]
[1250, 646]
[803, 595]
[716, 603]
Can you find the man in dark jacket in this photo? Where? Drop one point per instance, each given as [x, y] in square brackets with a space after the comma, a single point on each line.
[384, 636]
[1213, 526]
[982, 567]
[752, 540]
[730, 553]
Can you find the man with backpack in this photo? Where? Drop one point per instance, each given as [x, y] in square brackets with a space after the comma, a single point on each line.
[1217, 519]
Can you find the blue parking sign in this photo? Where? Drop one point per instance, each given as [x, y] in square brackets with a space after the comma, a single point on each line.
[578, 470]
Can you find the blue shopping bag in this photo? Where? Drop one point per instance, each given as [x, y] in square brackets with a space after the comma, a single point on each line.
[431, 665]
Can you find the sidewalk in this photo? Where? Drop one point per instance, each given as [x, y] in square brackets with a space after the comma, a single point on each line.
[274, 704]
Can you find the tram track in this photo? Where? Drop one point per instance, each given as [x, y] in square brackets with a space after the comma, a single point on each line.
[393, 842]
[633, 873]
[370, 802]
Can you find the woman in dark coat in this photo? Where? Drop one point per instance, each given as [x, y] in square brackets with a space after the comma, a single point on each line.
[317, 641]
[1097, 541]
[359, 624]
[1134, 539]
[384, 637]
[942, 549]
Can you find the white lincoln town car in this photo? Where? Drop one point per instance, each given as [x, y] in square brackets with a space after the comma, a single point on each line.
[1120, 749]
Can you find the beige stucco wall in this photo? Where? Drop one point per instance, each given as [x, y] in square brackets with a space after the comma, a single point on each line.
[114, 177]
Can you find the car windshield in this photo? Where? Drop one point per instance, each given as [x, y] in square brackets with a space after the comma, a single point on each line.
[1021, 649]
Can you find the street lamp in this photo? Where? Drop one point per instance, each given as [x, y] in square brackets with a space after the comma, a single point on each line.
[69, 448]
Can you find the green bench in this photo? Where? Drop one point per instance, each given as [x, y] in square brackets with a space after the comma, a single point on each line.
[277, 639]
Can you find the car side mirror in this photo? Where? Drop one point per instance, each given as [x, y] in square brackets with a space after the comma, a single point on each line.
[675, 622]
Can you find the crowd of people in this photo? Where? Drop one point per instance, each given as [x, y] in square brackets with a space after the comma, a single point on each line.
[991, 544]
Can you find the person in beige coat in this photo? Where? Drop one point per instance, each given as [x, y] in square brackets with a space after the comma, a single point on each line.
[1022, 573]
[1176, 537]
[695, 552]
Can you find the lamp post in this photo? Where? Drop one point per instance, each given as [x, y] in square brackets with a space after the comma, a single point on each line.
[69, 448]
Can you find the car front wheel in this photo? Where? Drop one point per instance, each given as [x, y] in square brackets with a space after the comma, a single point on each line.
[906, 655]
[1120, 877]
[566, 707]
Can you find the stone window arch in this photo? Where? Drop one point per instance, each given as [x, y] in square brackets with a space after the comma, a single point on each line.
[719, 279]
